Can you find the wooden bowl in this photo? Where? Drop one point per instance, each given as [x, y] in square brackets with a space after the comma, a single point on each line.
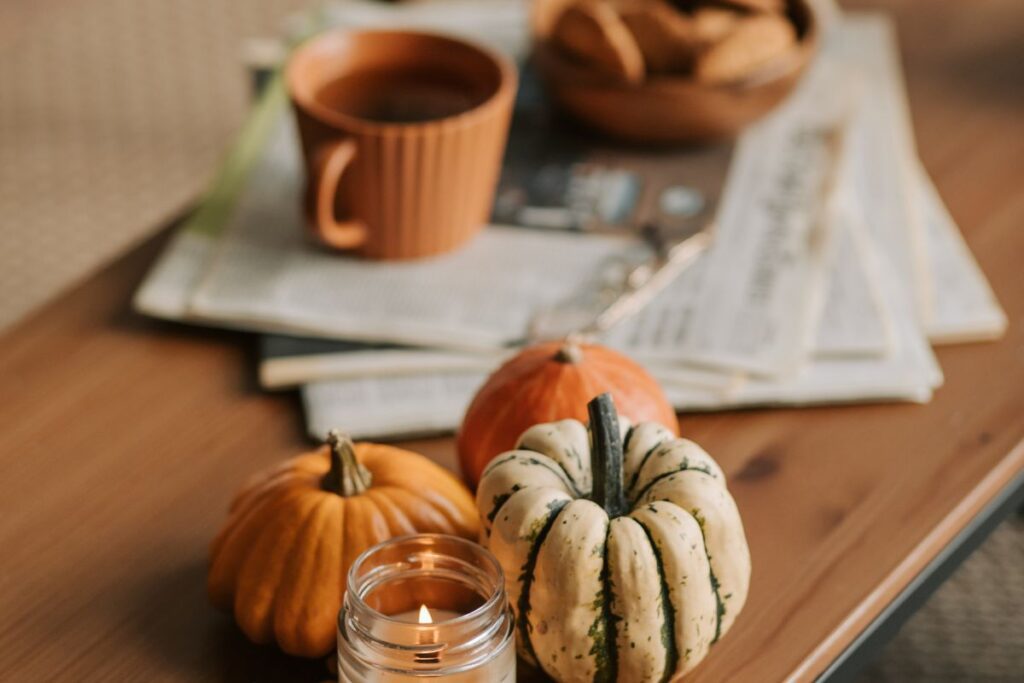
[667, 108]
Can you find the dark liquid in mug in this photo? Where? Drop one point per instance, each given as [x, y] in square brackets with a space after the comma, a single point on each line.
[399, 97]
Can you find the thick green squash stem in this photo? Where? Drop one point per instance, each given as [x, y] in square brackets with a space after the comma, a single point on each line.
[346, 477]
[606, 456]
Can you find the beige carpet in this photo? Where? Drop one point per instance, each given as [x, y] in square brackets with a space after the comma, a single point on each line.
[972, 629]
[113, 114]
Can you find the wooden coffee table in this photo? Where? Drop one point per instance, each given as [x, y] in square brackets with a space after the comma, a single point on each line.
[122, 439]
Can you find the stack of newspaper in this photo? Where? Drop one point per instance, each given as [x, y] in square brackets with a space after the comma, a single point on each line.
[834, 264]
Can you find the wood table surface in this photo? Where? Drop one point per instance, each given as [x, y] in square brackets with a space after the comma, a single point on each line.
[122, 439]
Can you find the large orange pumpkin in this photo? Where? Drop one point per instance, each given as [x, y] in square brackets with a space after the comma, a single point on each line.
[281, 561]
[548, 382]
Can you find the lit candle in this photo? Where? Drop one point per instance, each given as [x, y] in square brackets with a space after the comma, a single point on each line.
[426, 606]
[425, 615]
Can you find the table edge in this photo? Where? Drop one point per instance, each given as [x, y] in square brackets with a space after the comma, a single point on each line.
[984, 500]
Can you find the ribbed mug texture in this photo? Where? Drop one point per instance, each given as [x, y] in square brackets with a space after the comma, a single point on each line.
[410, 189]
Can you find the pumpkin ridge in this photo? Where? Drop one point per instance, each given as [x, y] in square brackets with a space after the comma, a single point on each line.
[327, 563]
[255, 489]
[627, 438]
[398, 521]
[240, 514]
[263, 567]
[395, 470]
[640, 465]
[393, 466]
[282, 468]
[526, 578]
[501, 459]
[594, 370]
[719, 604]
[529, 455]
[605, 648]
[612, 374]
[668, 611]
[499, 502]
[228, 559]
[560, 472]
[684, 467]
[537, 389]
[438, 503]
[295, 582]
[437, 523]
[287, 479]
[363, 528]
[720, 608]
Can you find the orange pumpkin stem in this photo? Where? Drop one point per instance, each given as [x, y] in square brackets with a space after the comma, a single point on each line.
[569, 352]
[346, 476]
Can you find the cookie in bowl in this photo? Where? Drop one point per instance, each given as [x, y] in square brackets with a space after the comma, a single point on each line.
[708, 68]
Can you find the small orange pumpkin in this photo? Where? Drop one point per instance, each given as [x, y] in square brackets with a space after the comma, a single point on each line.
[281, 561]
[549, 382]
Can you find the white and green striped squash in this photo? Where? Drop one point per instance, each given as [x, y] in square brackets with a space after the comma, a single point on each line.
[623, 552]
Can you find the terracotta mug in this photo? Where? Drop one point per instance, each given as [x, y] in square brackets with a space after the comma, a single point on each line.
[403, 135]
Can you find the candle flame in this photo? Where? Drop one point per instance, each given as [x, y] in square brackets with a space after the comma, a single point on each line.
[425, 617]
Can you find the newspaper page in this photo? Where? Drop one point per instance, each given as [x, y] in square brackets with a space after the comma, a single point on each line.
[882, 142]
[965, 308]
[750, 303]
[852, 322]
[908, 373]
[168, 287]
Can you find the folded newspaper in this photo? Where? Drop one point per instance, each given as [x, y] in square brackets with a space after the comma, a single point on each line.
[833, 257]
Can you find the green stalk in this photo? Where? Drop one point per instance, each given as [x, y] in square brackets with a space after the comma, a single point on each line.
[346, 477]
[606, 456]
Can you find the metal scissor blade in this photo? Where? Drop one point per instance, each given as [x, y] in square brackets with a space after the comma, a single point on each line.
[592, 315]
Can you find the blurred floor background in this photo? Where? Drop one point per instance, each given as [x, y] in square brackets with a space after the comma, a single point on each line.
[113, 114]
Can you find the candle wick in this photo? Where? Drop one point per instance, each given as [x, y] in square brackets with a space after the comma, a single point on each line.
[428, 637]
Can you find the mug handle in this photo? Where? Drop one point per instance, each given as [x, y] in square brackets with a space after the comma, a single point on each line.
[331, 160]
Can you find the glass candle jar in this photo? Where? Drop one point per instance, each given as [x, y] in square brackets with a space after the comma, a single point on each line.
[426, 606]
